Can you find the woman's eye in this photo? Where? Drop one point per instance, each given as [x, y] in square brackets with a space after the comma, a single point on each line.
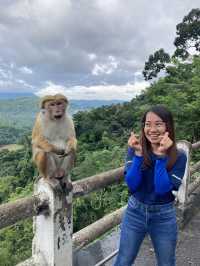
[159, 125]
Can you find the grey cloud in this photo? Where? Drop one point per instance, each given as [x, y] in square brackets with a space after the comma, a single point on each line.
[54, 38]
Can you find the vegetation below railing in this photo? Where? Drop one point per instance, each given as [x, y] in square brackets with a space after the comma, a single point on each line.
[86, 210]
[12, 212]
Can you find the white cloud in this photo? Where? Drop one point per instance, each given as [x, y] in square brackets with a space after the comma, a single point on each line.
[26, 70]
[92, 56]
[137, 73]
[11, 78]
[24, 84]
[124, 92]
[51, 89]
[109, 67]
[12, 65]
[3, 74]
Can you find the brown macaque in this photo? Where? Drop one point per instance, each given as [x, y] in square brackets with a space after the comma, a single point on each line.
[53, 138]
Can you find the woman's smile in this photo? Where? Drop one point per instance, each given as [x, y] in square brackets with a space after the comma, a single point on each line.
[154, 128]
[154, 138]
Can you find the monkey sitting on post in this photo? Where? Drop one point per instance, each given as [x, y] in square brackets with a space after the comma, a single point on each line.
[53, 138]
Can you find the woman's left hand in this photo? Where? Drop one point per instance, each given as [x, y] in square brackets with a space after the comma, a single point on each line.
[165, 144]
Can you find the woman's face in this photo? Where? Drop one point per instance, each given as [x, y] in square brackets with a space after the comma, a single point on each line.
[154, 128]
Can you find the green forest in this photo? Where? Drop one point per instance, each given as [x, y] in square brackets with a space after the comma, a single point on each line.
[17, 114]
[102, 145]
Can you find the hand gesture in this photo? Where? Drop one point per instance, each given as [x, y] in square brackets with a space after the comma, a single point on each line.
[165, 144]
[134, 143]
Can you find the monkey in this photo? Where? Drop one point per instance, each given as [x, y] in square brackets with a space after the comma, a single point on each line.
[53, 138]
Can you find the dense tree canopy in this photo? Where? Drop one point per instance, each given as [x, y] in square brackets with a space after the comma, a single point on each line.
[155, 64]
[187, 42]
[188, 34]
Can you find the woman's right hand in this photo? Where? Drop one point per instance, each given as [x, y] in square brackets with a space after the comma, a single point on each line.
[134, 143]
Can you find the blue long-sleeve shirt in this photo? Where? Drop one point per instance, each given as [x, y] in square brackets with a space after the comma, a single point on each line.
[154, 185]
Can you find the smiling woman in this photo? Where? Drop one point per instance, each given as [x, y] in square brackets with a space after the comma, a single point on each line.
[154, 168]
[158, 134]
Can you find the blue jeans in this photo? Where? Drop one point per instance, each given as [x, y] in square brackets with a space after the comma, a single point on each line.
[159, 221]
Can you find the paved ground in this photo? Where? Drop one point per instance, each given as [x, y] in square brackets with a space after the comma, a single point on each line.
[188, 249]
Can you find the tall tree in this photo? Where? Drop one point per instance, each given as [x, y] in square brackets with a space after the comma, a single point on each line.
[155, 63]
[188, 34]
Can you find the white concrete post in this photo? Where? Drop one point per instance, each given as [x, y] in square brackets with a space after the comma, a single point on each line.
[182, 194]
[52, 243]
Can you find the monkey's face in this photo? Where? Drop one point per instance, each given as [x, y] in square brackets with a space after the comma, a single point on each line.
[55, 109]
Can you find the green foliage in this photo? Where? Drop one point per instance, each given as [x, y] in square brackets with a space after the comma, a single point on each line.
[188, 34]
[20, 113]
[16, 172]
[91, 163]
[180, 92]
[16, 180]
[15, 243]
[110, 122]
[10, 135]
[155, 64]
[93, 207]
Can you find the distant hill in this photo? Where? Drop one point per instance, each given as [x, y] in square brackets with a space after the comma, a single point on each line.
[19, 112]
[13, 95]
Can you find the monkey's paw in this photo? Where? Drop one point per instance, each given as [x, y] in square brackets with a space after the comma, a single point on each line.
[54, 184]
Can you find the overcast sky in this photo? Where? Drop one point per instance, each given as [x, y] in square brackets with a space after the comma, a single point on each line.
[91, 49]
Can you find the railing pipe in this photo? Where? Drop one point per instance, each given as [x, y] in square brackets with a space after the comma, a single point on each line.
[109, 257]
[12, 212]
[96, 182]
[195, 145]
[194, 168]
[194, 185]
[98, 228]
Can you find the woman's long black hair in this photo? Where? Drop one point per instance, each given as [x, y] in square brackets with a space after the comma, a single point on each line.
[167, 118]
